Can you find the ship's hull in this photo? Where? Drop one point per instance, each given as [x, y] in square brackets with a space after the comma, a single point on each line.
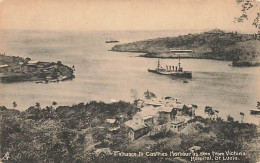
[111, 42]
[255, 112]
[183, 74]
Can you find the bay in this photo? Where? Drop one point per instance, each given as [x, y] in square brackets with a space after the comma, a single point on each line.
[103, 75]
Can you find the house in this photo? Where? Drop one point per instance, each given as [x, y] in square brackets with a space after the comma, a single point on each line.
[32, 63]
[3, 66]
[142, 122]
[152, 102]
[147, 115]
[102, 152]
[178, 107]
[136, 129]
[113, 125]
[213, 117]
[178, 124]
[111, 121]
[166, 113]
[194, 149]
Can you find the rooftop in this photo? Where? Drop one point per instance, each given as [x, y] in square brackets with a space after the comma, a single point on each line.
[147, 111]
[134, 126]
[111, 120]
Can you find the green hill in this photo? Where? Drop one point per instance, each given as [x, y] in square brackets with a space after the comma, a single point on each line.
[214, 44]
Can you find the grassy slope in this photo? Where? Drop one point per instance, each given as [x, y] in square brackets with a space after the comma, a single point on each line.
[214, 44]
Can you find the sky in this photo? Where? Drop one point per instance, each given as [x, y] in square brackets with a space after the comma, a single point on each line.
[88, 15]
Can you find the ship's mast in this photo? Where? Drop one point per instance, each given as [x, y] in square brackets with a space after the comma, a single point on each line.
[158, 66]
[179, 61]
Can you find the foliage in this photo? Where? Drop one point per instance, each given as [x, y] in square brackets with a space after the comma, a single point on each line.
[214, 44]
[246, 7]
[71, 133]
[149, 95]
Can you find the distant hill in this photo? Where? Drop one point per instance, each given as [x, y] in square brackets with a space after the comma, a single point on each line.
[214, 44]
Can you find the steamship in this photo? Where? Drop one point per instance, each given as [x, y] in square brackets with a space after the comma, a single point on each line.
[176, 71]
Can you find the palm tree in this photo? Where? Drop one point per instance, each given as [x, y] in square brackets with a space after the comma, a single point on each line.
[208, 110]
[230, 119]
[38, 105]
[14, 104]
[54, 103]
[242, 116]
[216, 111]
[149, 95]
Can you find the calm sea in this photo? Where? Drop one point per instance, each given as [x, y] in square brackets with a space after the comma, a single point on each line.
[103, 75]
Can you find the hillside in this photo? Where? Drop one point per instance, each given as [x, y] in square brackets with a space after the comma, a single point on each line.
[214, 44]
[78, 133]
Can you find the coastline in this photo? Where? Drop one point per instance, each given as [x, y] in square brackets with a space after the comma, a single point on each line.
[242, 49]
[17, 69]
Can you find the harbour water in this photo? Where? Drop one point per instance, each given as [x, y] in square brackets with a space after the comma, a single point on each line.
[103, 75]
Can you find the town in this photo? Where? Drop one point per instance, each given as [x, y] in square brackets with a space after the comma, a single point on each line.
[156, 116]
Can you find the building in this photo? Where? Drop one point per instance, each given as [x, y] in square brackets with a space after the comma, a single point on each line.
[142, 122]
[102, 152]
[136, 129]
[181, 53]
[157, 116]
[166, 114]
[111, 121]
[3, 66]
[178, 124]
[32, 63]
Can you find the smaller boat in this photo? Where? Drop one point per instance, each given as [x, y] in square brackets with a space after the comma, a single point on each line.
[53, 81]
[111, 40]
[257, 110]
[185, 81]
[39, 81]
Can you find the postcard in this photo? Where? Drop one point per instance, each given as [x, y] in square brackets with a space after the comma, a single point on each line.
[129, 81]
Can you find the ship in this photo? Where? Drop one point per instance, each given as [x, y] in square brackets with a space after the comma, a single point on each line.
[176, 71]
[111, 40]
[257, 110]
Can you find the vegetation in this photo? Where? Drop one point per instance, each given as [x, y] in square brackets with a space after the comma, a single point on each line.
[74, 133]
[246, 7]
[18, 69]
[149, 95]
[242, 49]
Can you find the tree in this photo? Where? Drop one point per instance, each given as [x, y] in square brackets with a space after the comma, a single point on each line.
[99, 135]
[134, 94]
[59, 63]
[54, 74]
[54, 103]
[149, 95]
[14, 104]
[242, 116]
[208, 110]
[247, 6]
[216, 111]
[38, 105]
[173, 113]
[230, 119]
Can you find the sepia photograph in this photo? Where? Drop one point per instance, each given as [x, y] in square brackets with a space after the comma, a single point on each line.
[129, 81]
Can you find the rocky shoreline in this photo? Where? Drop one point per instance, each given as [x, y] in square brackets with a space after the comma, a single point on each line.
[17, 69]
